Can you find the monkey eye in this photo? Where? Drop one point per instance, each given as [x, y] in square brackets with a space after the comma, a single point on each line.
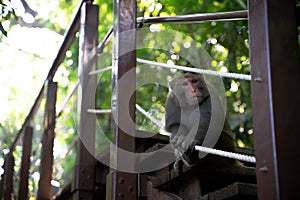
[194, 81]
[185, 83]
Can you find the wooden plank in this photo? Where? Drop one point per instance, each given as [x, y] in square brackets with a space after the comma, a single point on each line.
[234, 191]
[190, 189]
[156, 194]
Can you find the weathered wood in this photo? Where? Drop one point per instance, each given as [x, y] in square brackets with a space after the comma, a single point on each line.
[25, 164]
[243, 191]
[275, 96]
[44, 191]
[189, 189]
[203, 178]
[123, 185]
[156, 194]
[83, 184]
[9, 173]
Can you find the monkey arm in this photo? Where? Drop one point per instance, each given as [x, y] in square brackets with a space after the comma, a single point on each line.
[178, 139]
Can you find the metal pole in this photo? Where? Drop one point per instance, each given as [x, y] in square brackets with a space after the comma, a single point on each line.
[196, 18]
[275, 97]
[44, 191]
[25, 164]
[122, 185]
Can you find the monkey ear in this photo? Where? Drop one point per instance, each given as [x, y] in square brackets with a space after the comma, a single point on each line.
[205, 91]
[171, 85]
[176, 80]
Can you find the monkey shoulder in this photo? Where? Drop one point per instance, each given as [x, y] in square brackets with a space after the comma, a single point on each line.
[172, 112]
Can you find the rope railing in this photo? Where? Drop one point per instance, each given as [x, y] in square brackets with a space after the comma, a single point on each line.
[197, 70]
[146, 114]
[184, 68]
[238, 156]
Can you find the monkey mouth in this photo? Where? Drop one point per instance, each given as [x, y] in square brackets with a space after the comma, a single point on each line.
[195, 94]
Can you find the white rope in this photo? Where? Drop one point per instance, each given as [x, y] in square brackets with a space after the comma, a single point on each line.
[100, 70]
[98, 111]
[144, 112]
[196, 70]
[227, 154]
[152, 119]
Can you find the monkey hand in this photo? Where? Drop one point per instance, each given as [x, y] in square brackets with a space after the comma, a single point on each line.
[188, 143]
[177, 141]
[181, 144]
[181, 161]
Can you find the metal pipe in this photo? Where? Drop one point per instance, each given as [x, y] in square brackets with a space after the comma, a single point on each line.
[105, 40]
[67, 99]
[196, 18]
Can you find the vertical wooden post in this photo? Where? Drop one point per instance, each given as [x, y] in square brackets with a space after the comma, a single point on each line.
[9, 173]
[275, 97]
[25, 164]
[2, 183]
[44, 191]
[123, 185]
[83, 184]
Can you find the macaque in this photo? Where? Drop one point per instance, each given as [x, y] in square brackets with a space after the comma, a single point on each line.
[188, 117]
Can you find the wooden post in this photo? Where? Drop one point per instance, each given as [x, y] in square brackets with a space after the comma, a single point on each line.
[123, 185]
[9, 173]
[83, 184]
[25, 164]
[275, 97]
[44, 191]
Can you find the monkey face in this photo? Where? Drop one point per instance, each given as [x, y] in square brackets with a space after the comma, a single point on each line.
[189, 90]
[190, 85]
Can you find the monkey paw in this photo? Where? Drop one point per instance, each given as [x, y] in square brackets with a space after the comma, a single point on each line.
[188, 144]
[177, 142]
[178, 166]
[181, 163]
